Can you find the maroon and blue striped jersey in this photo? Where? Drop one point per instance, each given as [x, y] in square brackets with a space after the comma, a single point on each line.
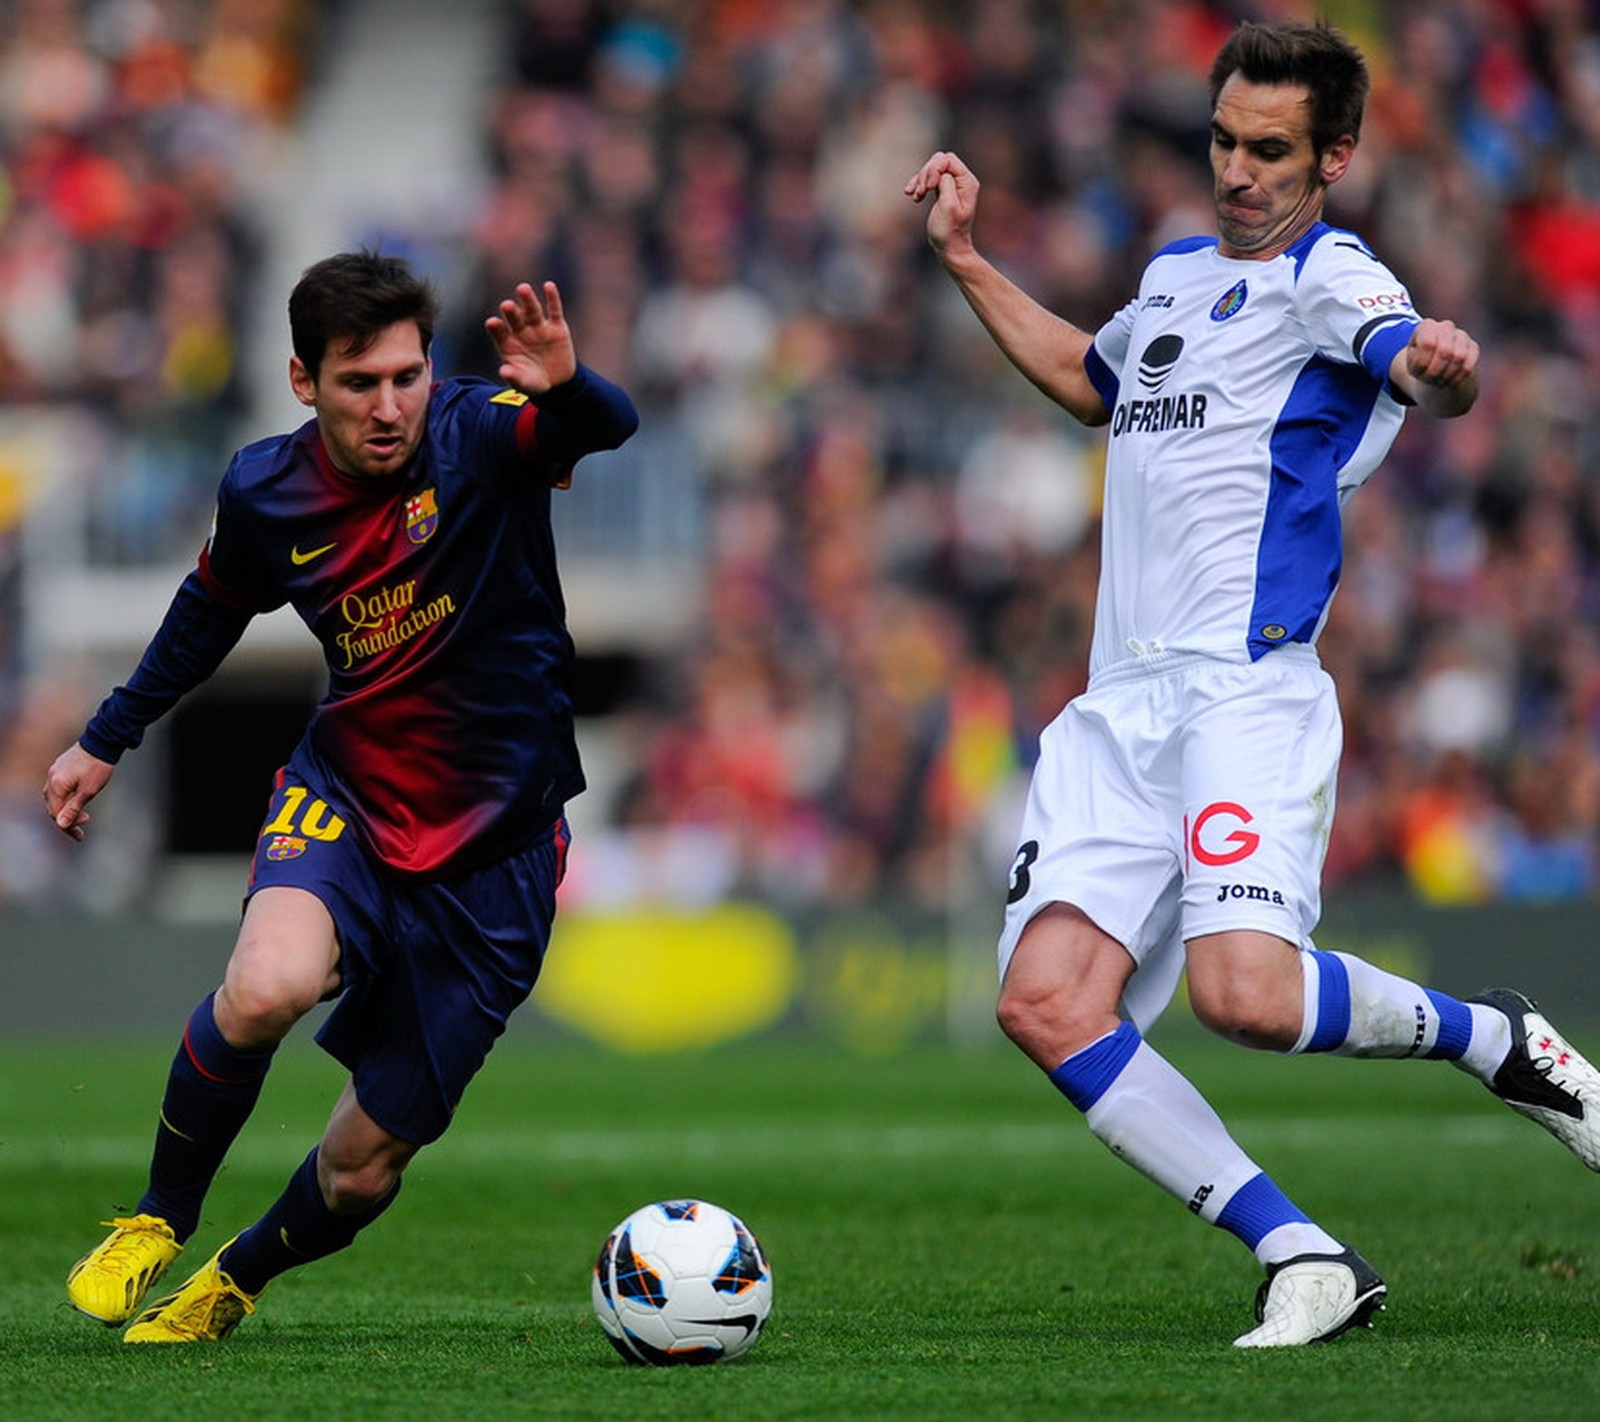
[446, 733]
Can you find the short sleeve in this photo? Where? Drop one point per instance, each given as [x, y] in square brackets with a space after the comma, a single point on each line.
[1107, 352]
[1356, 311]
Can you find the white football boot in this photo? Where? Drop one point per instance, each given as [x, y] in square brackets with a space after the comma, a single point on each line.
[1546, 1079]
[1312, 1298]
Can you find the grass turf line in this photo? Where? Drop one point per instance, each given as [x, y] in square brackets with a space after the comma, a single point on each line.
[947, 1242]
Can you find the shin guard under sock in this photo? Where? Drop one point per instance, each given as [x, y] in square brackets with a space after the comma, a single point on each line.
[1354, 1009]
[211, 1090]
[1146, 1112]
[297, 1229]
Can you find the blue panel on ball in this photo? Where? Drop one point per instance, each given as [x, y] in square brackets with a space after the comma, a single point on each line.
[636, 1280]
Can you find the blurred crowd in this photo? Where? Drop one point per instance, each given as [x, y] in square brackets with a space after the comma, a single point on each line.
[897, 535]
[901, 535]
[130, 235]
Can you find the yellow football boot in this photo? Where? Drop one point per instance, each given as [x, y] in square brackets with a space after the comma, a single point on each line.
[207, 1307]
[111, 1280]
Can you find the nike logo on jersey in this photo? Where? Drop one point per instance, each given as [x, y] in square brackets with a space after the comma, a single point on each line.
[300, 559]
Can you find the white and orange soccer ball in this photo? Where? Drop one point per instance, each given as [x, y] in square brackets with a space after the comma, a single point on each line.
[681, 1281]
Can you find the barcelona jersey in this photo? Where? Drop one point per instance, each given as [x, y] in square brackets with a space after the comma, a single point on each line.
[446, 734]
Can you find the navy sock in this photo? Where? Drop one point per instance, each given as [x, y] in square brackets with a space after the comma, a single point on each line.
[298, 1228]
[211, 1090]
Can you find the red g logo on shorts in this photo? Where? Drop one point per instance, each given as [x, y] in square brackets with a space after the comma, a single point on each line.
[1244, 842]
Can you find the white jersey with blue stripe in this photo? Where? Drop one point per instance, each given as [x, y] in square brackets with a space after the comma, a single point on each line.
[1248, 400]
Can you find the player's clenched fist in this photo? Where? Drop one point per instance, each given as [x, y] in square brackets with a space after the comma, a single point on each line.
[1438, 368]
[1441, 353]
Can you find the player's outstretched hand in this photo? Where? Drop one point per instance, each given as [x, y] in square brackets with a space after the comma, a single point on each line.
[955, 187]
[534, 340]
[1441, 353]
[74, 780]
[1442, 362]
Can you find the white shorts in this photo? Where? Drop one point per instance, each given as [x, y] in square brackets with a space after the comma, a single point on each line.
[1174, 802]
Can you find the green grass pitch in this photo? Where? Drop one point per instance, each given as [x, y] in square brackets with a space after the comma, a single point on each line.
[947, 1242]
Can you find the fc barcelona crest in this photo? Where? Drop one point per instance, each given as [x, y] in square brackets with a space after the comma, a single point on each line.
[285, 846]
[422, 516]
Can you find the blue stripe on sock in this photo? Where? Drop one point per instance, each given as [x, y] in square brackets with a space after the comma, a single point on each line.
[1333, 1003]
[1257, 1208]
[1455, 1026]
[1085, 1076]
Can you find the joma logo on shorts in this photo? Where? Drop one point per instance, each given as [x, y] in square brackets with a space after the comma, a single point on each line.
[1259, 892]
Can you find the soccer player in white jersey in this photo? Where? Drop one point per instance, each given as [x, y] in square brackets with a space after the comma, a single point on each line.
[1179, 811]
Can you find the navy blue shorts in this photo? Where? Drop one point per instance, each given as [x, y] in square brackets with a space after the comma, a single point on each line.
[430, 970]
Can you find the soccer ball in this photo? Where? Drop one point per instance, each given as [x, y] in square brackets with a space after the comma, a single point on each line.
[681, 1281]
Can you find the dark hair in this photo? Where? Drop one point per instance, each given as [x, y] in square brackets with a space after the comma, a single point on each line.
[352, 298]
[1315, 55]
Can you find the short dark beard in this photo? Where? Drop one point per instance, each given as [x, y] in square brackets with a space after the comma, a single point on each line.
[1273, 240]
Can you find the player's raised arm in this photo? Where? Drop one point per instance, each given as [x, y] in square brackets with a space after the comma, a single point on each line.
[1438, 368]
[534, 340]
[579, 411]
[1046, 349]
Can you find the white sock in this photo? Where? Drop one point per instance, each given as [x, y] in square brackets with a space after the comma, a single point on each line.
[1491, 1042]
[1146, 1112]
[1354, 1009]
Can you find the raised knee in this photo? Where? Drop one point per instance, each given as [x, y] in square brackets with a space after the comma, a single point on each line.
[358, 1190]
[252, 1010]
[1049, 1025]
[1248, 987]
[1022, 1014]
[1235, 1011]
[1226, 1015]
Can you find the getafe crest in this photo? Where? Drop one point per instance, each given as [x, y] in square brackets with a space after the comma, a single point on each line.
[285, 846]
[422, 516]
[1231, 302]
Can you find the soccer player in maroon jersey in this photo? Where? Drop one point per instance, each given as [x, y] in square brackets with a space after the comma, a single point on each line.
[413, 842]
